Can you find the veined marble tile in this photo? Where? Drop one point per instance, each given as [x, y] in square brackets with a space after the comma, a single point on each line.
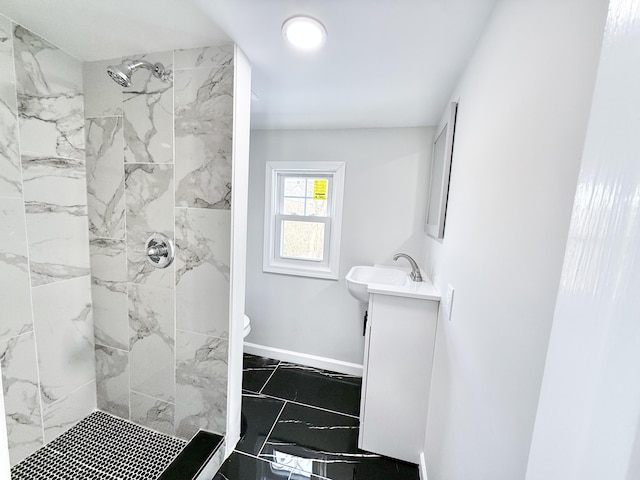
[10, 176]
[151, 341]
[42, 68]
[52, 126]
[62, 318]
[50, 101]
[15, 289]
[203, 129]
[55, 200]
[108, 260]
[102, 96]
[201, 388]
[205, 57]
[203, 250]
[105, 177]
[110, 311]
[148, 113]
[69, 410]
[109, 292]
[112, 381]
[54, 180]
[21, 396]
[149, 200]
[152, 413]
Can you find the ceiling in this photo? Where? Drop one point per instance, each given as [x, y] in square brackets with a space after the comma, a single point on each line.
[386, 63]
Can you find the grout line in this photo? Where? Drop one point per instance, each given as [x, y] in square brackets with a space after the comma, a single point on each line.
[306, 405]
[67, 395]
[226, 339]
[207, 68]
[148, 163]
[204, 209]
[176, 253]
[8, 339]
[92, 117]
[272, 373]
[71, 279]
[98, 344]
[275, 422]
[97, 237]
[150, 397]
[126, 320]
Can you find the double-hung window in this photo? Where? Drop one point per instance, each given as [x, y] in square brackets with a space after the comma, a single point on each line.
[303, 217]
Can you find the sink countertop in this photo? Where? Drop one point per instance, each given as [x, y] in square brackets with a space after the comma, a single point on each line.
[424, 290]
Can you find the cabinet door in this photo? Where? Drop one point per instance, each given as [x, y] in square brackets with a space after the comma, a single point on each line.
[398, 374]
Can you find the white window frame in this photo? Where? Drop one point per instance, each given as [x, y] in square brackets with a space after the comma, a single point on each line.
[272, 262]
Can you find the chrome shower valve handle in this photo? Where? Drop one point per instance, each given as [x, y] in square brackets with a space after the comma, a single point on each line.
[160, 250]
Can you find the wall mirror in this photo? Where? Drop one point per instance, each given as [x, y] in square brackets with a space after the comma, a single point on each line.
[440, 171]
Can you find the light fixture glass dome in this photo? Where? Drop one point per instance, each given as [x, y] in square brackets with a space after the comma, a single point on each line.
[305, 33]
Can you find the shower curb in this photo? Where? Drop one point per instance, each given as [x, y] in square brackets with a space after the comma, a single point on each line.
[197, 460]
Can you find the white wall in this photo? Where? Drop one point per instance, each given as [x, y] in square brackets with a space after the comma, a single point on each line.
[524, 103]
[589, 412]
[384, 208]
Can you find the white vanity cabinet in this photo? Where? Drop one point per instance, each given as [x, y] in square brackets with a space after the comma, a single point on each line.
[399, 344]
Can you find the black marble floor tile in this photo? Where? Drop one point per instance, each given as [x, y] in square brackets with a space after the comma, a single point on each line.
[320, 388]
[260, 413]
[243, 467]
[325, 444]
[317, 430]
[256, 371]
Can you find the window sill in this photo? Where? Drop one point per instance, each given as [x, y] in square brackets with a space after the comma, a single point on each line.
[321, 273]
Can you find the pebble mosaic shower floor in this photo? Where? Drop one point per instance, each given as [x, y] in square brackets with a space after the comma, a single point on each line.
[101, 447]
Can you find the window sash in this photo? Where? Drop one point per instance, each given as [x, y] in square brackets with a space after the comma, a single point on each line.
[280, 196]
[279, 227]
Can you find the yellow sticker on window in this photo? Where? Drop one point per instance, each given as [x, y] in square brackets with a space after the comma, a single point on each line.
[320, 189]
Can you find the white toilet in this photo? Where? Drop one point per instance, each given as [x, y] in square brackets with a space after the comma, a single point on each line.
[247, 326]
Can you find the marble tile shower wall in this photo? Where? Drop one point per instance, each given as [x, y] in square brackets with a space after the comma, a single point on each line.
[159, 160]
[46, 326]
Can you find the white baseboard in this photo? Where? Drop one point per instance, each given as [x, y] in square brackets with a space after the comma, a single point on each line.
[304, 359]
[423, 467]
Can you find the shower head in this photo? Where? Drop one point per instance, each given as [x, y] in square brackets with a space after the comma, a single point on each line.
[121, 74]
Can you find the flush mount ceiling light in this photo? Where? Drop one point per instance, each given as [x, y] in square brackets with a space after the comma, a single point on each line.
[305, 33]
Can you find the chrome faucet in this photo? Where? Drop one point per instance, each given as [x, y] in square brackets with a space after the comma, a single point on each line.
[415, 269]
